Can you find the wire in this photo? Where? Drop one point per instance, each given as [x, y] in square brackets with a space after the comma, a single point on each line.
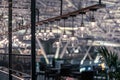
[72, 26]
[64, 27]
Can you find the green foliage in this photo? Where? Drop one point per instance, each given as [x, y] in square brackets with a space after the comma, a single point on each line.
[111, 60]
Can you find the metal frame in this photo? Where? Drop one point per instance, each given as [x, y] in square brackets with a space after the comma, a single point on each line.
[10, 38]
[43, 51]
[64, 49]
[97, 6]
[87, 54]
[33, 41]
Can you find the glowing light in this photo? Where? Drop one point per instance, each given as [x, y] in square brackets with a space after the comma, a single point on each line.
[45, 38]
[57, 44]
[64, 38]
[82, 28]
[40, 35]
[51, 35]
[102, 65]
[93, 24]
[74, 41]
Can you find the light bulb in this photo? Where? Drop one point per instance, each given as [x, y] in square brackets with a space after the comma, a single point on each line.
[93, 24]
[57, 44]
[40, 35]
[64, 37]
[81, 31]
[45, 34]
[82, 28]
[19, 43]
[16, 40]
[28, 37]
[73, 38]
[73, 41]
[45, 38]
[14, 37]
[51, 35]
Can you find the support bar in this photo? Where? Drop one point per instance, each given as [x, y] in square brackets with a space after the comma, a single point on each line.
[64, 49]
[57, 50]
[33, 46]
[87, 54]
[61, 7]
[97, 6]
[99, 1]
[10, 37]
[43, 51]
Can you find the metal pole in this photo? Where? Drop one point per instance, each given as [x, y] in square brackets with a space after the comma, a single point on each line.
[33, 46]
[10, 38]
[99, 1]
[61, 7]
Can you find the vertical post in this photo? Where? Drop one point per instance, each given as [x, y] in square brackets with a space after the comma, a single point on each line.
[99, 1]
[33, 46]
[61, 7]
[10, 37]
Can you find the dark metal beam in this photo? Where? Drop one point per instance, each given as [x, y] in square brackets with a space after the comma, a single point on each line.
[61, 7]
[33, 46]
[10, 37]
[96, 6]
[99, 1]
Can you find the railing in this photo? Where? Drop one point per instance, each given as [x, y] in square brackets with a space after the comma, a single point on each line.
[20, 62]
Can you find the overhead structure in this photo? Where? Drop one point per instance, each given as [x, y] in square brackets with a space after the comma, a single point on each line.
[58, 28]
[110, 15]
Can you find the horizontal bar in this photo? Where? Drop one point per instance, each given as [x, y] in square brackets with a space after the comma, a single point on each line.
[77, 12]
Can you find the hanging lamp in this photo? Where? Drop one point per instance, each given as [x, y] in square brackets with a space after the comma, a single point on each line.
[82, 26]
[64, 37]
[45, 33]
[51, 34]
[57, 42]
[73, 39]
[92, 17]
[40, 34]
[81, 29]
